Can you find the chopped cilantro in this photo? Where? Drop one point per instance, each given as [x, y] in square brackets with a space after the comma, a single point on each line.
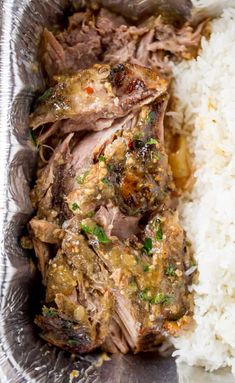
[170, 270]
[75, 206]
[49, 312]
[86, 229]
[105, 181]
[100, 234]
[157, 156]
[158, 299]
[45, 95]
[148, 245]
[151, 117]
[97, 231]
[151, 141]
[159, 234]
[143, 295]
[80, 179]
[73, 342]
[101, 158]
[146, 268]
[161, 299]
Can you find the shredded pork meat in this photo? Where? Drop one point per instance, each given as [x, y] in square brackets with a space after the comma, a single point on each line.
[94, 37]
[106, 232]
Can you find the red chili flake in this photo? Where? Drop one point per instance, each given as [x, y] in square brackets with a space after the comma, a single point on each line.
[130, 144]
[89, 90]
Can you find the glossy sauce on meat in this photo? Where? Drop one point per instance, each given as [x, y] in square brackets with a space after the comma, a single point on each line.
[106, 232]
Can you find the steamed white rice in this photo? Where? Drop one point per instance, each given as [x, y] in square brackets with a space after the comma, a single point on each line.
[205, 89]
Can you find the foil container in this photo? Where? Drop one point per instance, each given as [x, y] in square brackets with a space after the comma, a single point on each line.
[24, 357]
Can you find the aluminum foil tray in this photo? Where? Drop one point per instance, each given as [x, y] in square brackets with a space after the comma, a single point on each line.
[24, 357]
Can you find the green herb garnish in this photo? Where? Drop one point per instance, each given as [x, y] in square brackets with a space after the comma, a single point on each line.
[146, 268]
[148, 245]
[159, 234]
[73, 342]
[151, 141]
[151, 117]
[45, 95]
[143, 295]
[161, 299]
[75, 206]
[105, 181]
[101, 158]
[158, 299]
[157, 156]
[97, 231]
[100, 234]
[170, 270]
[80, 179]
[86, 229]
[49, 312]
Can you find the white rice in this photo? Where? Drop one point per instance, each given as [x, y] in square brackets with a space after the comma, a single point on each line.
[205, 89]
[211, 7]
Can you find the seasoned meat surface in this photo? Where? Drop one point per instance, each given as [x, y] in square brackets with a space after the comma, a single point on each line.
[96, 96]
[106, 231]
[117, 280]
[132, 171]
[78, 303]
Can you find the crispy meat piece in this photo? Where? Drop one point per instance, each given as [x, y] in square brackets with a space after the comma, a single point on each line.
[134, 173]
[102, 92]
[46, 231]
